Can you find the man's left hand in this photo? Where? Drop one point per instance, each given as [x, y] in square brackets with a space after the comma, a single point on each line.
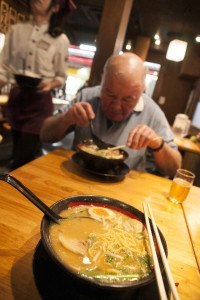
[143, 136]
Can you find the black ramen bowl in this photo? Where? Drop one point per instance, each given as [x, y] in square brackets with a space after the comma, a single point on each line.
[25, 81]
[100, 163]
[104, 202]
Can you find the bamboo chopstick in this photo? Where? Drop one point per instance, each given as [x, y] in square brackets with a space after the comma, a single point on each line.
[123, 146]
[117, 147]
[161, 288]
[163, 256]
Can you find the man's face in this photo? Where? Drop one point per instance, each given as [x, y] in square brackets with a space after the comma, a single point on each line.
[119, 97]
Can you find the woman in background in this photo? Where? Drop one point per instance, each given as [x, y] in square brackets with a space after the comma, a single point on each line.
[39, 47]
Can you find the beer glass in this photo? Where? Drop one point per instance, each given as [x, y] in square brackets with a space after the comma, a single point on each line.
[181, 185]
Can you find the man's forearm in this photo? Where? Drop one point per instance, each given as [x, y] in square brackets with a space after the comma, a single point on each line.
[54, 128]
[168, 160]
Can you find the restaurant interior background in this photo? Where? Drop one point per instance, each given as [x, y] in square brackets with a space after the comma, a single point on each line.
[98, 28]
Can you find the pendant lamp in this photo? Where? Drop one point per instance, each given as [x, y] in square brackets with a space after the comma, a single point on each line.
[176, 50]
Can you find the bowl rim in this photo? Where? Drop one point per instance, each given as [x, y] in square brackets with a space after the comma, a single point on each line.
[27, 76]
[25, 81]
[89, 142]
[106, 201]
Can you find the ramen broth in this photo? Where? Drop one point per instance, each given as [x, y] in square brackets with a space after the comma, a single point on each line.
[106, 153]
[109, 246]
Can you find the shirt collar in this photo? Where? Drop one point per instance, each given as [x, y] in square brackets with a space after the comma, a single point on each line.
[43, 27]
[140, 105]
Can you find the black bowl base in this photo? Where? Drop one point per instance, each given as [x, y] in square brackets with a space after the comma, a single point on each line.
[54, 284]
[114, 174]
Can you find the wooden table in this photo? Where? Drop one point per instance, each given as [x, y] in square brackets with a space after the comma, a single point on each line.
[191, 210]
[187, 145]
[55, 176]
[191, 156]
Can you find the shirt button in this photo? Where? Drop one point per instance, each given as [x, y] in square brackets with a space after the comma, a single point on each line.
[30, 53]
[33, 41]
[29, 67]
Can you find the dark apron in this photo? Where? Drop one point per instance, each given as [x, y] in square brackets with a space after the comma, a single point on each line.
[26, 110]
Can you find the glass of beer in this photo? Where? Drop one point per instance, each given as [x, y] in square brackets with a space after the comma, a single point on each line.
[181, 185]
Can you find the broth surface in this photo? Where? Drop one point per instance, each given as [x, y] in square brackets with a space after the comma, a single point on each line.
[108, 246]
[106, 153]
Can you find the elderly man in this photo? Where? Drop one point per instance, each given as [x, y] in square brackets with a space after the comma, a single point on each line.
[121, 115]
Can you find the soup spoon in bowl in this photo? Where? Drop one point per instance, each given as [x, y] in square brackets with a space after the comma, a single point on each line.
[100, 144]
[34, 199]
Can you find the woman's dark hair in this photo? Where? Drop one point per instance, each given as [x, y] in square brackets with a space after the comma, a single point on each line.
[58, 19]
[56, 24]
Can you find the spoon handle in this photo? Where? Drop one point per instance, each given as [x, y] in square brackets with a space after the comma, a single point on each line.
[101, 144]
[29, 195]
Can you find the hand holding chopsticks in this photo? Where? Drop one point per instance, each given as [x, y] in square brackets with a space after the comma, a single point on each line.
[159, 279]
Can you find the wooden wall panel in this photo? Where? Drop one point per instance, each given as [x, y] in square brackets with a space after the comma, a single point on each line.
[169, 85]
[190, 68]
[11, 12]
[111, 35]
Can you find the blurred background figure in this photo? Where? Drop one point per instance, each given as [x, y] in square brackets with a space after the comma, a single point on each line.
[37, 48]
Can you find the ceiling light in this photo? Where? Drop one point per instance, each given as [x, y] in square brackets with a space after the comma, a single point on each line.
[156, 36]
[128, 45]
[197, 39]
[157, 42]
[176, 50]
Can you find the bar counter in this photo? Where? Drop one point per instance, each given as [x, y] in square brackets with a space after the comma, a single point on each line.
[56, 176]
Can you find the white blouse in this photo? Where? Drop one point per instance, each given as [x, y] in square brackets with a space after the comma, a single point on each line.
[30, 47]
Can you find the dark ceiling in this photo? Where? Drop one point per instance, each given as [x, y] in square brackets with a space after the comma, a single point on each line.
[170, 18]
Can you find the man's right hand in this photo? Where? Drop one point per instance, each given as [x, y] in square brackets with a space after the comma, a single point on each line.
[80, 114]
[54, 128]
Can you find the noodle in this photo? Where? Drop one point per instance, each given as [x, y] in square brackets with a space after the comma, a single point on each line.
[106, 153]
[118, 244]
[115, 244]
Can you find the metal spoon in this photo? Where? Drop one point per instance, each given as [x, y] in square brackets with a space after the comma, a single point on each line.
[34, 199]
[96, 139]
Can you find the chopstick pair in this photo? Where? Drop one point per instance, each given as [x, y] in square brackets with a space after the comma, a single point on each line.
[158, 274]
[117, 147]
[123, 146]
